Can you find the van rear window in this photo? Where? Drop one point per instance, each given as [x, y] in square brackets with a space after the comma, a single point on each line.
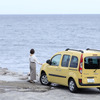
[92, 62]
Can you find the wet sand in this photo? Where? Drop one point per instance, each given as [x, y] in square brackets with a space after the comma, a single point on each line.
[20, 86]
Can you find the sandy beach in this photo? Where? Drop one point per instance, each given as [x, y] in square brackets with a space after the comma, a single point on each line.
[14, 86]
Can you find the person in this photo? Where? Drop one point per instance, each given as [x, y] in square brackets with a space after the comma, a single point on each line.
[33, 60]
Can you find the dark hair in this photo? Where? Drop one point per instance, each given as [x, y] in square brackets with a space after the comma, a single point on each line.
[32, 51]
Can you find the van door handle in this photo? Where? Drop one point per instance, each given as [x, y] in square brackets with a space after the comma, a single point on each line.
[56, 69]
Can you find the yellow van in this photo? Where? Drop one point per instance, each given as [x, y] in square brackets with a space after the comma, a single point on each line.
[73, 68]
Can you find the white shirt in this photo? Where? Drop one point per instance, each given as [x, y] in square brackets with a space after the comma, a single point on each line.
[33, 58]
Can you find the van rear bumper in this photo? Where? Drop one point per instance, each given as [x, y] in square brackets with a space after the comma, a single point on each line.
[89, 84]
[81, 84]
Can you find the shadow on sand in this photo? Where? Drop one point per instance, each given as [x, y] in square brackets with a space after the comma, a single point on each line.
[79, 91]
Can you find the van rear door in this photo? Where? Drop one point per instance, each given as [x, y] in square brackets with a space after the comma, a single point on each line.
[91, 69]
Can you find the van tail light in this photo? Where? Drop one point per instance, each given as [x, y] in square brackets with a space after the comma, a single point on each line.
[81, 64]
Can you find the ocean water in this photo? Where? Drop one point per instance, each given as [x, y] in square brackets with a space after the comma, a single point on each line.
[47, 34]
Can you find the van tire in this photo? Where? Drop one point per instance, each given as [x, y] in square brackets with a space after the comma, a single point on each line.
[72, 86]
[44, 80]
[98, 88]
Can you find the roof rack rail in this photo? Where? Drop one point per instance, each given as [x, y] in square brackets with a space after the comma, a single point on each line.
[74, 50]
[93, 49]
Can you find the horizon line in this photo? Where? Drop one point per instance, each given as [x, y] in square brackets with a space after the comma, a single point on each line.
[51, 14]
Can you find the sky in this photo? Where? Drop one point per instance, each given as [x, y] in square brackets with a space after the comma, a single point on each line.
[49, 6]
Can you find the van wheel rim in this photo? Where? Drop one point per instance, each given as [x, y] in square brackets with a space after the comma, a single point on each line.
[44, 79]
[71, 85]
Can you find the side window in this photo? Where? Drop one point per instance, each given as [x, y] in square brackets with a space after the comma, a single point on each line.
[74, 62]
[65, 60]
[55, 60]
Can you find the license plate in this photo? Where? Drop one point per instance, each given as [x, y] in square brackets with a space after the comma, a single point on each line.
[90, 80]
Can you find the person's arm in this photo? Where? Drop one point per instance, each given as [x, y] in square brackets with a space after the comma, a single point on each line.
[35, 58]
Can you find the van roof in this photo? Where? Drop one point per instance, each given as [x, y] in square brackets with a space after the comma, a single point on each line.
[80, 51]
[88, 50]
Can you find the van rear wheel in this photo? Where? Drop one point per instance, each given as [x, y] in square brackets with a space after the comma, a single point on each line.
[98, 88]
[72, 86]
